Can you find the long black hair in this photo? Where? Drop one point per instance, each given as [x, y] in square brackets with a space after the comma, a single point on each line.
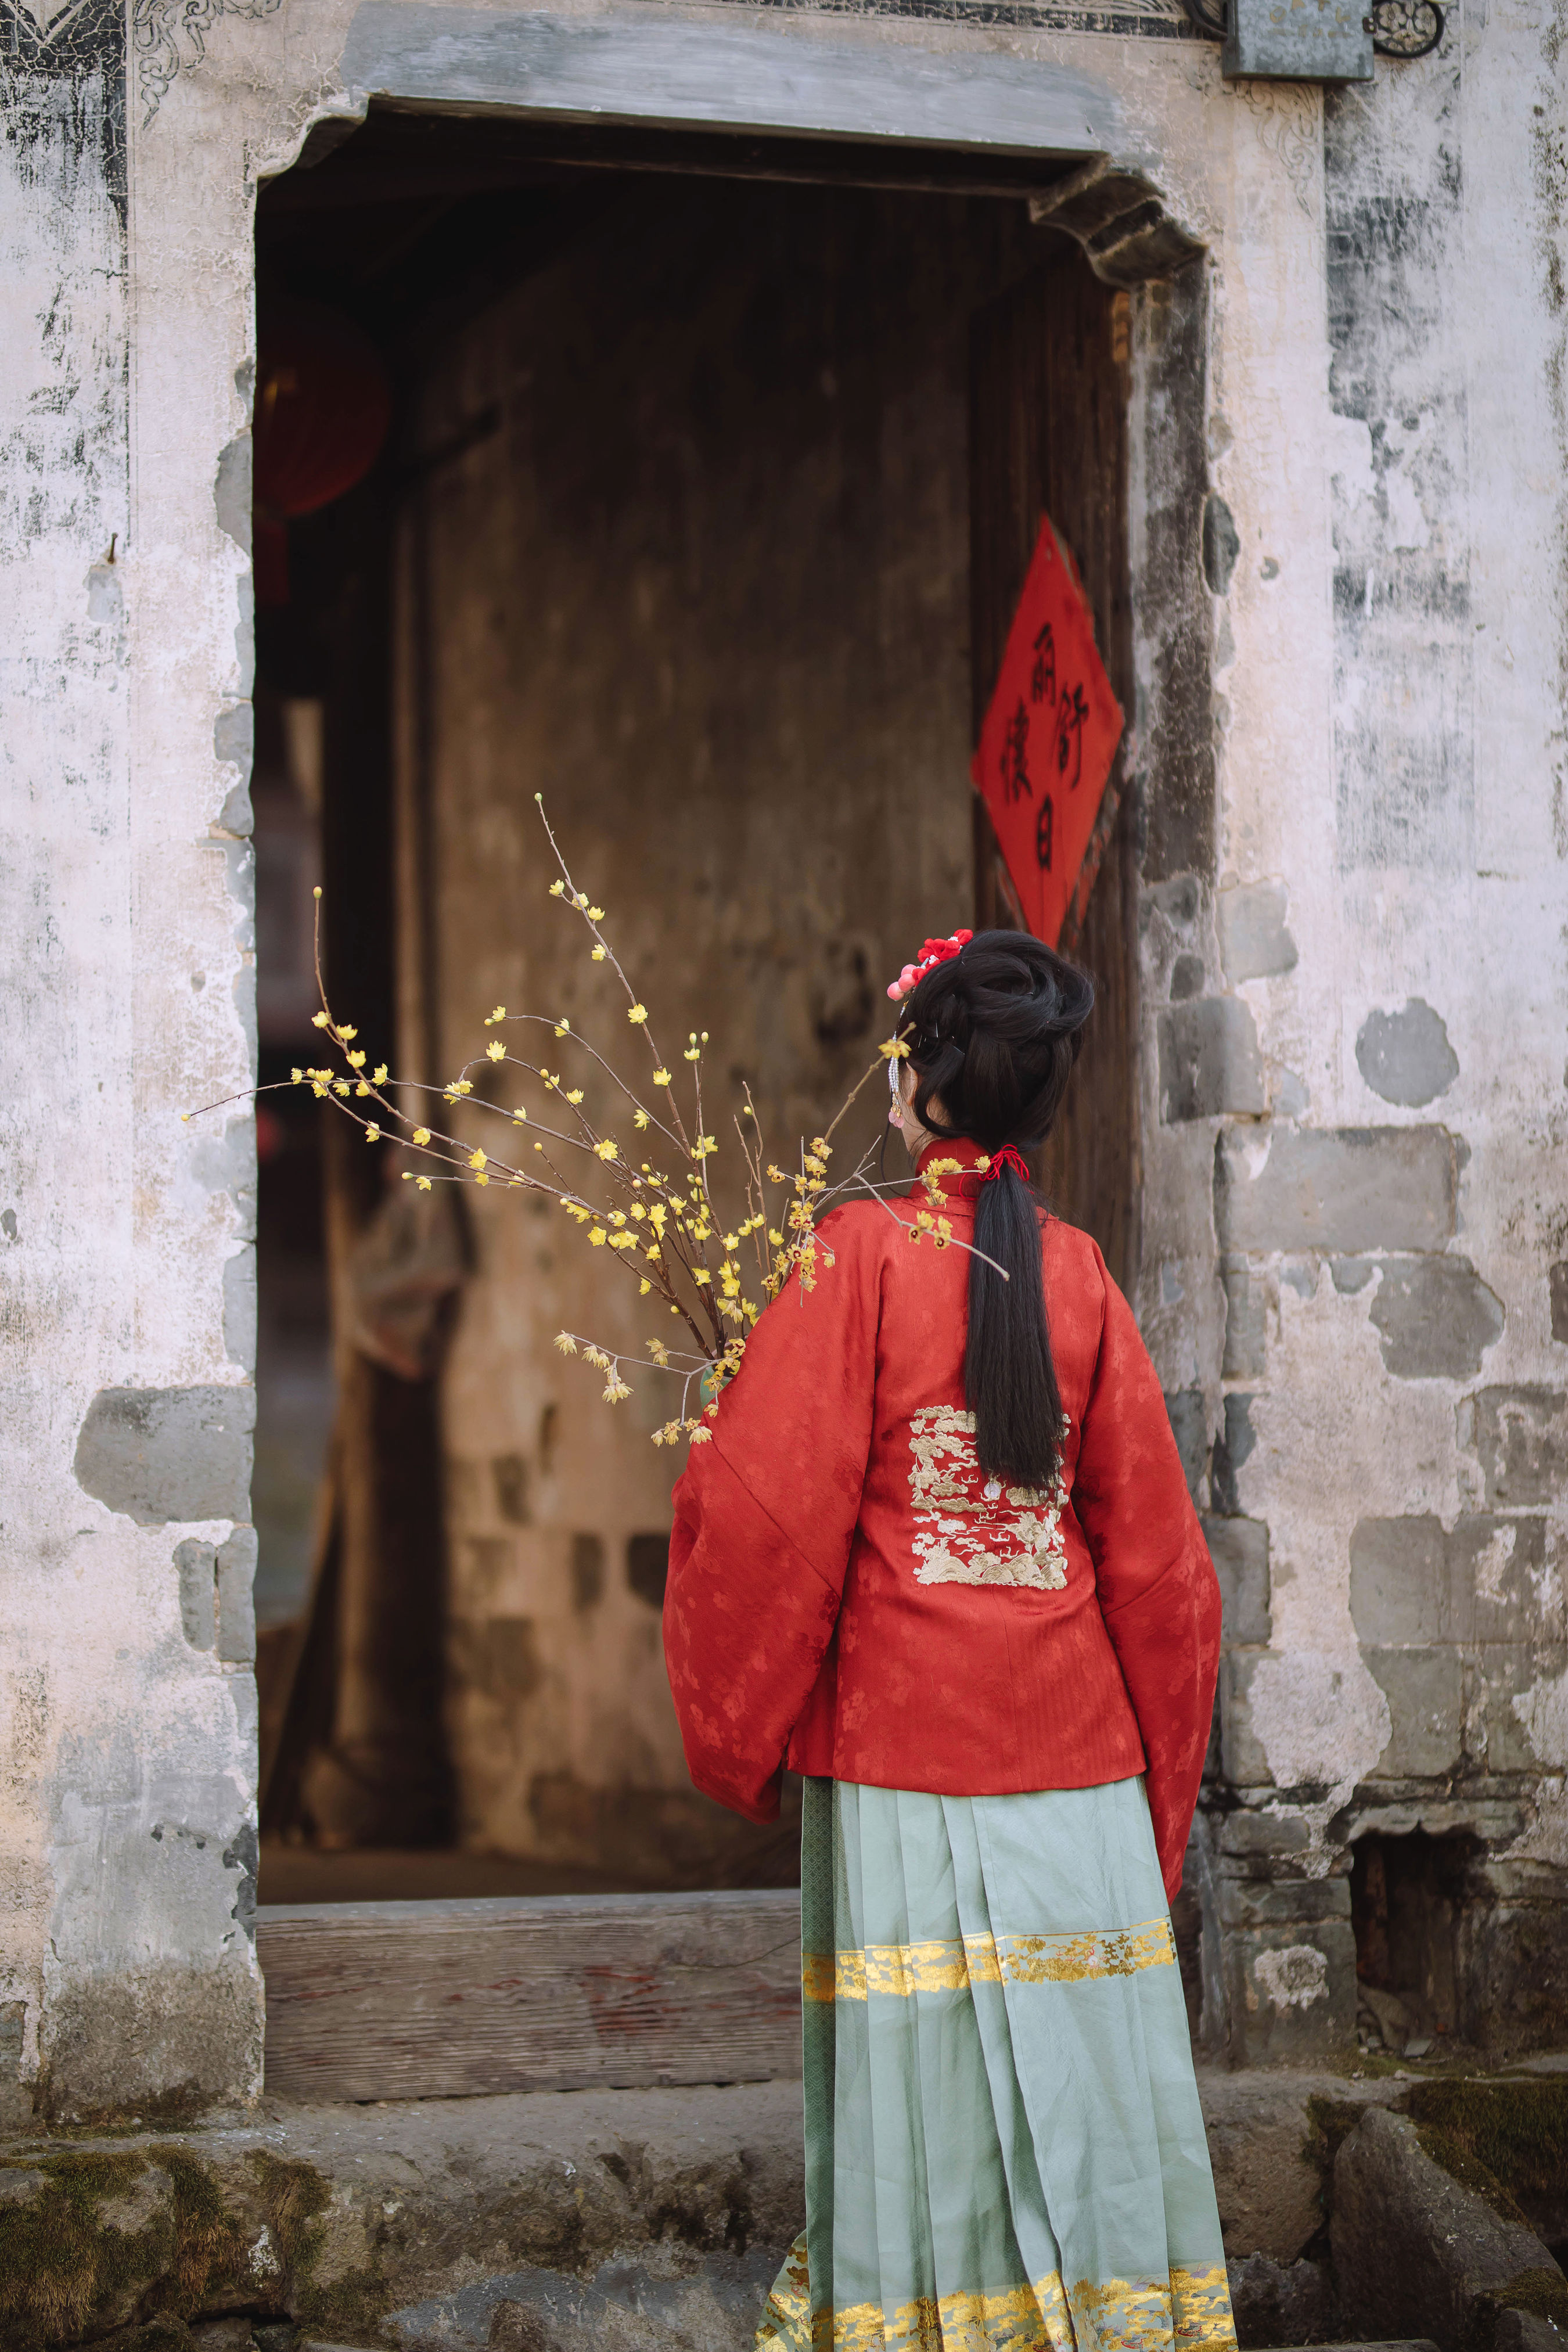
[993, 1036]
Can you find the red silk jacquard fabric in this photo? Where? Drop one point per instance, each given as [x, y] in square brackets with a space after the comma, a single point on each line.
[850, 1595]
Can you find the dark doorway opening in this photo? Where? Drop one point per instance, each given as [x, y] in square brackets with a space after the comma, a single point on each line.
[1408, 1900]
[712, 469]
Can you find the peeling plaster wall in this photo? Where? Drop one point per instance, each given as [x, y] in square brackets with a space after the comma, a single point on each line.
[1384, 1089]
[127, 1705]
[1355, 1262]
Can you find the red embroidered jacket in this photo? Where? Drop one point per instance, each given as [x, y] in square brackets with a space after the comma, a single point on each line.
[846, 1594]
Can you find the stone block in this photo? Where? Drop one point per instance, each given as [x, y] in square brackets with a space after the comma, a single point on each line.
[1250, 1834]
[1557, 1299]
[1435, 1316]
[1340, 1190]
[1264, 1903]
[1415, 2248]
[1520, 1436]
[1412, 1582]
[1209, 1062]
[1253, 939]
[161, 1455]
[1233, 1446]
[1513, 1705]
[1279, 2303]
[1239, 1549]
[1190, 1428]
[1243, 1760]
[234, 1579]
[1425, 1690]
[1245, 1329]
[1290, 1992]
[1405, 1057]
[196, 1564]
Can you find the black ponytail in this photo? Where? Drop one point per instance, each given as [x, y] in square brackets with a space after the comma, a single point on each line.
[993, 1036]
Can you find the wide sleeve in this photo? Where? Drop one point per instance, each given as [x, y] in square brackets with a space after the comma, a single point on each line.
[764, 1517]
[1157, 1591]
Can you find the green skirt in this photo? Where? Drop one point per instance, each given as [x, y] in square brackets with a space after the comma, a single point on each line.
[1003, 2145]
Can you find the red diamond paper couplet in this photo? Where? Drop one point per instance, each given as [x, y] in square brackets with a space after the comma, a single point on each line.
[1049, 738]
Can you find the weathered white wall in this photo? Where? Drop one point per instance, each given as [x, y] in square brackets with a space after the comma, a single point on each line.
[1385, 433]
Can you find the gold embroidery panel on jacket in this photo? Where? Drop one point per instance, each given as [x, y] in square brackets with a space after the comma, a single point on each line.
[970, 1529]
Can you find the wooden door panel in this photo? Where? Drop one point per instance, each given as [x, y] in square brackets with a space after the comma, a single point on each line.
[1048, 436]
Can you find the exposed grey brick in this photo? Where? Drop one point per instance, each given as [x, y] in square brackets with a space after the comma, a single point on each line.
[1557, 1294]
[1209, 1061]
[1351, 1275]
[1187, 978]
[1291, 1992]
[168, 1453]
[1242, 1756]
[1412, 1581]
[1520, 1436]
[1232, 1447]
[1345, 1189]
[1497, 1731]
[236, 1579]
[198, 1616]
[1249, 1832]
[1239, 1549]
[1177, 898]
[1437, 1316]
[1425, 1690]
[1253, 939]
[1263, 1902]
[1221, 543]
[1405, 1057]
[1245, 1325]
[231, 491]
[1190, 1428]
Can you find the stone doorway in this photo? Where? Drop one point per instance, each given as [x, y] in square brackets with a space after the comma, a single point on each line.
[701, 513]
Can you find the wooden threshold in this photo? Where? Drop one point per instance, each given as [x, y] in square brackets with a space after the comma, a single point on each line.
[555, 1992]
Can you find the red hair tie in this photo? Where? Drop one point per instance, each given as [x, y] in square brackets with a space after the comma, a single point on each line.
[1008, 1157]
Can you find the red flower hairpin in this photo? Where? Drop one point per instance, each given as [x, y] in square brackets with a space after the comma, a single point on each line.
[934, 951]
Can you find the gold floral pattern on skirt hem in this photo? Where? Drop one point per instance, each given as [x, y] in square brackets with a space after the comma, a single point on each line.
[951, 1966]
[1187, 2311]
[1191, 2312]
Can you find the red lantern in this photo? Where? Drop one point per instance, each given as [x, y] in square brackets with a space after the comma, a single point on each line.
[322, 410]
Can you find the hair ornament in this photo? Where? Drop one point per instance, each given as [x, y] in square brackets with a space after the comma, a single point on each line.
[1008, 1157]
[934, 953]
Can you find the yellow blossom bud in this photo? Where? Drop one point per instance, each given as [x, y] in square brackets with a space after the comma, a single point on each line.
[500, 1013]
[575, 1095]
[496, 1050]
[361, 1088]
[661, 1077]
[598, 1237]
[462, 1086]
[557, 889]
[481, 1180]
[356, 1061]
[422, 1183]
[598, 954]
[373, 1134]
[596, 914]
[639, 1118]
[379, 1074]
[317, 891]
[477, 1160]
[346, 1033]
[340, 1086]
[520, 1118]
[297, 1076]
[565, 1342]
[318, 1020]
[606, 1149]
[644, 1286]
[637, 1015]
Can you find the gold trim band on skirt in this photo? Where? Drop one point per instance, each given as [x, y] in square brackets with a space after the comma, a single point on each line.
[1188, 2312]
[951, 1966]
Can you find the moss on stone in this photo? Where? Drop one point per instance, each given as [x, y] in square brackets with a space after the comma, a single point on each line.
[1518, 2129]
[210, 2250]
[1461, 2164]
[1543, 2292]
[293, 2196]
[60, 2260]
[348, 2311]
